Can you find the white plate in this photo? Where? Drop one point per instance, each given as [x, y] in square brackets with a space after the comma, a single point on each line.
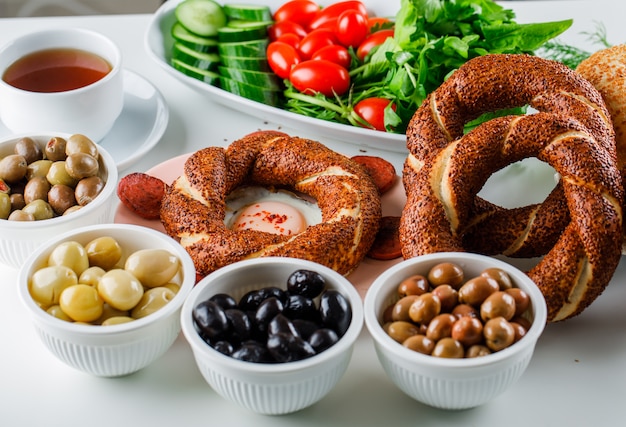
[139, 127]
[158, 43]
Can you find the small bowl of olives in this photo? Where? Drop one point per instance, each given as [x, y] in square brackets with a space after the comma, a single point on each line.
[106, 299]
[49, 184]
[273, 334]
[454, 330]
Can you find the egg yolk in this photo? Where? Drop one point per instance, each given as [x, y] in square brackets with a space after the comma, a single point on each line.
[271, 217]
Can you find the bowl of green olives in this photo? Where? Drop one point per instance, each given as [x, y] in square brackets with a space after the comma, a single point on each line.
[275, 334]
[51, 183]
[106, 299]
[454, 330]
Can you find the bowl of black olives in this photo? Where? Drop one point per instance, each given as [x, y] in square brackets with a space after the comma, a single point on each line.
[49, 184]
[273, 334]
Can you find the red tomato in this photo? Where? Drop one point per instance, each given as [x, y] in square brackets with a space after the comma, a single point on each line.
[372, 41]
[372, 110]
[314, 41]
[351, 28]
[290, 39]
[334, 10]
[299, 11]
[377, 23]
[285, 27]
[334, 53]
[320, 76]
[282, 57]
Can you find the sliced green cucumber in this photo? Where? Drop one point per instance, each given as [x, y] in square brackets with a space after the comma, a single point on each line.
[239, 23]
[248, 49]
[262, 79]
[201, 17]
[255, 93]
[206, 76]
[200, 44]
[248, 12]
[201, 60]
[230, 34]
[251, 64]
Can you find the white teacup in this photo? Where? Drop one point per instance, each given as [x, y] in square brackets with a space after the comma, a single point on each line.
[90, 110]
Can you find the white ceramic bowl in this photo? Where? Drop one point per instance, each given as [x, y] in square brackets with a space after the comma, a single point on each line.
[116, 350]
[20, 239]
[277, 388]
[450, 383]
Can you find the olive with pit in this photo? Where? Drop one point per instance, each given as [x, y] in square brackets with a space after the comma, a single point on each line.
[104, 252]
[88, 189]
[55, 149]
[70, 254]
[152, 300]
[446, 273]
[28, 148]
[81, 302]
[5, 205]
[57, 174]
[36, 189]
[499, 333]
[152, 267]
[38, 168]
[13, 168]
[81, 165]
[39, 209]
[61, 198]
[20, 215]
[79, 143]
[17, 201]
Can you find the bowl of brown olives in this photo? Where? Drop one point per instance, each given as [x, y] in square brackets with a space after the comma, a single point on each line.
[106, 299]
[273, 334]
[49, 184]
[454, 330]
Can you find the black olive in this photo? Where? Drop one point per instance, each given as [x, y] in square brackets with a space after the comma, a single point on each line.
[210, 319]
[335, 311]
[252, 351]
[224, 347]
[305, 327]
[273, 291]
[251, 300]
[306, 282]
[224, 300]
[288, 348]
[239, 325]
[300, 307]
[267, 310]
[322, 339]
[281, 323]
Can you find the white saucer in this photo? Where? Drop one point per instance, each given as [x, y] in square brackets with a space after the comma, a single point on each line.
[139, 127]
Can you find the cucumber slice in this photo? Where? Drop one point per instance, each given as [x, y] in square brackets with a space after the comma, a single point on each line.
[248, 49]
[251, 64]
[206, 76]
[239, 23]
[201, 60]
[262, 79]
[235, 34]
[248, 12]
[200, 44]
[255, 93]
[201, 17]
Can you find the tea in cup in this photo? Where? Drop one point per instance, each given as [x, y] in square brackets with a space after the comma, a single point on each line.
[65, 80]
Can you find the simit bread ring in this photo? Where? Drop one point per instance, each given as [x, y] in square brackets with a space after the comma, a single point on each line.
[194, 206]
[581, 263]
[493, 82]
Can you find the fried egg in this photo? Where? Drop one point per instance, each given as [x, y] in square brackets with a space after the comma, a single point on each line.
[271, 211]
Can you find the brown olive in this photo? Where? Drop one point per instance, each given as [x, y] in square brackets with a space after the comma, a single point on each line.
[520, 331]
[5, 205]
[20, 215]
[498, 304]
[36, 189]
[55, 149]
[522, 321]
[400, 330]
[17, 201]
[400, 309]
[28, 148]
[413, 285]
[388, 313]
[40, 209]
[419, 343]
[424, 308]
[476, 290]
[72, 209]
[38, 168]
[477, 350]
[468, 330]
[88, 189]
[440, 327]
[81, 165]
[446, 273]
[61, 198]
[448, 296]
[498, 333]
[58, 175]
[500, 276]
[13, 168]
[462, 310]
[448, 348]
[522, 300]
[79, 143]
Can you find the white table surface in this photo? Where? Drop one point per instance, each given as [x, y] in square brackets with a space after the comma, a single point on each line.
[576, 378]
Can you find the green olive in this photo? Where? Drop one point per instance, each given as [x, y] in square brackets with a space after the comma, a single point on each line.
[28, 148]
[38, 168]
[120, 289]
[56, 311]
[13, 168]
[88, 189]
[20, 215]
[70, 254]
[79, 143]
[104, 252]
[91, 276]
[5, 205]
[153, 267]
[58, 175]
[110, 312]
[151, 301]
[116, 320]
[46, 284]
[61, 198]
[36, 189]
[40, 209]
[55, 149]
[81, 165]
[81, 302]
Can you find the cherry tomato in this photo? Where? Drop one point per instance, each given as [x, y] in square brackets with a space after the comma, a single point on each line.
[285, 27]
[376, 23]
[289, 38]
[351, 28]
[372, 110]
[314, 41]
[299, 11]
[321, 76]
[334, 10]
[372, 41]
[282, 57]
[334, 53]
